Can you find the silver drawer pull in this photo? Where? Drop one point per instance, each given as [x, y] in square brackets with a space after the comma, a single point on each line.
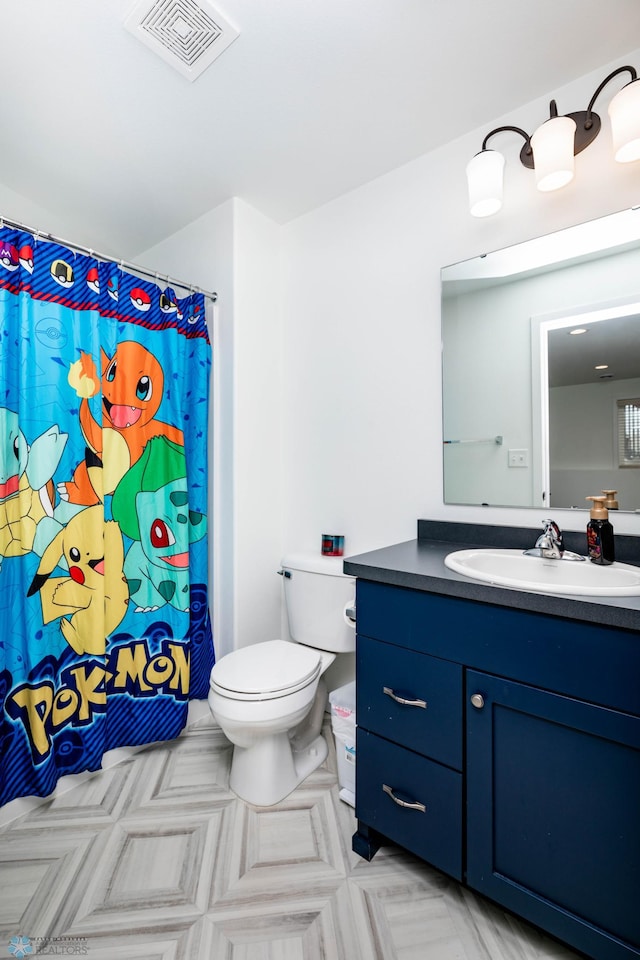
[404, 803]
[408, 703]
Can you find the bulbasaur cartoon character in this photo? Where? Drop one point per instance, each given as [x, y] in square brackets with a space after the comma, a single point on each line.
[26, 488]
[151, 504]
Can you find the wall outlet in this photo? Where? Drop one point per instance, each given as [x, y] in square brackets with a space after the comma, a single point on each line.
[518, 458]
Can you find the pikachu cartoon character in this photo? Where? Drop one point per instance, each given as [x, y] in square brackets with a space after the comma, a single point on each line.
[92, 599]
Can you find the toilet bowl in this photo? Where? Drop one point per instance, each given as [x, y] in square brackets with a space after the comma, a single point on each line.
[269, 698]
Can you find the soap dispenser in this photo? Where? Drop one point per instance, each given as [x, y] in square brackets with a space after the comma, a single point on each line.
[610, 501]
[600, 545]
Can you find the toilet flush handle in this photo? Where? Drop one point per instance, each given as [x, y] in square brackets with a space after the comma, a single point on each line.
[285, 573]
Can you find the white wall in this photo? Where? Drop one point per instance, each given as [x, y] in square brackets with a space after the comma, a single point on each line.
[203, 253]
[584, 417]
[15, 206]
[258, 424]
[235, 250]
[362, 387]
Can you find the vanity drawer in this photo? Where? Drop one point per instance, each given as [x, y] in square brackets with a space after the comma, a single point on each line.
[385, 770]
[385, 672]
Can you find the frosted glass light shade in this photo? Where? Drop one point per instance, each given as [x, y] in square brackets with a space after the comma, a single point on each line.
[485, 179]
[624, 113]
[552, 145]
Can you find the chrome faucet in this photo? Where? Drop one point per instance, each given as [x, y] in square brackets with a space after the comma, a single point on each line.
[550, 544]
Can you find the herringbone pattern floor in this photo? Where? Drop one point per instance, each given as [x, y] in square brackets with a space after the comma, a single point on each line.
[155, 859]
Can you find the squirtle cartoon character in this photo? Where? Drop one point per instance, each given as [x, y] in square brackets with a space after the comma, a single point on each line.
[151, 504]
[26, 487]
[132, 385]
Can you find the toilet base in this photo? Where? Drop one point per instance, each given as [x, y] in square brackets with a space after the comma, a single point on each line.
[268, 771]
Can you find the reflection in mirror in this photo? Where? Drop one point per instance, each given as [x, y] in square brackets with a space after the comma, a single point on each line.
[528, 419]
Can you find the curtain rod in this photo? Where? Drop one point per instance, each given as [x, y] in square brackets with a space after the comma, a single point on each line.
[40, 235]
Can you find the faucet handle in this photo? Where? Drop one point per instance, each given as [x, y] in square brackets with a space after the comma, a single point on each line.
[552, 530]
[550, 543]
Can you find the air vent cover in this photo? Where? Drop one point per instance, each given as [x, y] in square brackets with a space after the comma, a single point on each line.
[188, 35]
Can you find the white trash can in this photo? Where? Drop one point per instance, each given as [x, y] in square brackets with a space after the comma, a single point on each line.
[343, 724]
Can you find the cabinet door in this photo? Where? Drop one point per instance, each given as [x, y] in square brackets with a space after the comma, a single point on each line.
[553, 798]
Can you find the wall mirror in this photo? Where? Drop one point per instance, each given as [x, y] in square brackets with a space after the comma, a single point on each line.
[534, 413]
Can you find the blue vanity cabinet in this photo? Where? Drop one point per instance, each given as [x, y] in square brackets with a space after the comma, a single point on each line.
[528, 767]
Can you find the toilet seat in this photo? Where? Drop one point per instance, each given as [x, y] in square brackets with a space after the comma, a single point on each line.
[265, 671]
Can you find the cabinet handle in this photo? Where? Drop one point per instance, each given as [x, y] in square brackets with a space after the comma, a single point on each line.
[408, 703]
[477, 700]
[404, 803]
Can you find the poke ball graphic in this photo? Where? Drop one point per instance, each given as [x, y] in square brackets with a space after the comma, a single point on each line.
[167, 305]
[9, 256]
[93, 279]
[112, 287]
[194, 315]
[26, 257]
[140, 299]
[51, 333]
[62, 273]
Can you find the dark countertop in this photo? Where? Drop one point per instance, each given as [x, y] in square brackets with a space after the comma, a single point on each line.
[419, 565]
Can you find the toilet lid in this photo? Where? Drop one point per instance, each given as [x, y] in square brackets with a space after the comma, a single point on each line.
[266, 670]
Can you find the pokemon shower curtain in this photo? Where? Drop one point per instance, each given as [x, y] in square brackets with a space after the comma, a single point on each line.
[104, 624]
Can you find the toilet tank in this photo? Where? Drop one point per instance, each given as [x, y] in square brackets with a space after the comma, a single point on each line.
[317, 596]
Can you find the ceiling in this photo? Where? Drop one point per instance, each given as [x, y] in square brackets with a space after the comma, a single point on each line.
[614, 343]
[314, 98]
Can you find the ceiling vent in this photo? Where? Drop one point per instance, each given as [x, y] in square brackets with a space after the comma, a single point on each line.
[188, 35]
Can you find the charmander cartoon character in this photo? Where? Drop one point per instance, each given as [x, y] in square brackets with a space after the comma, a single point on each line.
[92, 599]
[151, 504]
[26, 488]
[132, 385]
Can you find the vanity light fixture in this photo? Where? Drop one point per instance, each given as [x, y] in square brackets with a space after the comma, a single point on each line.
[550, 151]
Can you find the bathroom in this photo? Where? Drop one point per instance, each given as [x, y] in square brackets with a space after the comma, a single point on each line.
[329, 326]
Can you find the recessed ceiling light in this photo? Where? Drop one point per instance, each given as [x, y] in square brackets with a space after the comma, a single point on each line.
[574, 333]
[602, 366]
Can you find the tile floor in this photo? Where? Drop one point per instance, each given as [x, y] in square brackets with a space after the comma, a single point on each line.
[155, 859]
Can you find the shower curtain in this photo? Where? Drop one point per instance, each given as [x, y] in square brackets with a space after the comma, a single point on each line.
[104, 622]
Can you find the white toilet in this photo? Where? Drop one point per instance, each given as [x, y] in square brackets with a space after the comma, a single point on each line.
[269, 698]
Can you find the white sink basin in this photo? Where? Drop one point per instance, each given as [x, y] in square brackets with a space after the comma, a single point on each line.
[511, 568]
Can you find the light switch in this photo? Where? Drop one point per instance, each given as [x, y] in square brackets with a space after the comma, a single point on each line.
[518, 458]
